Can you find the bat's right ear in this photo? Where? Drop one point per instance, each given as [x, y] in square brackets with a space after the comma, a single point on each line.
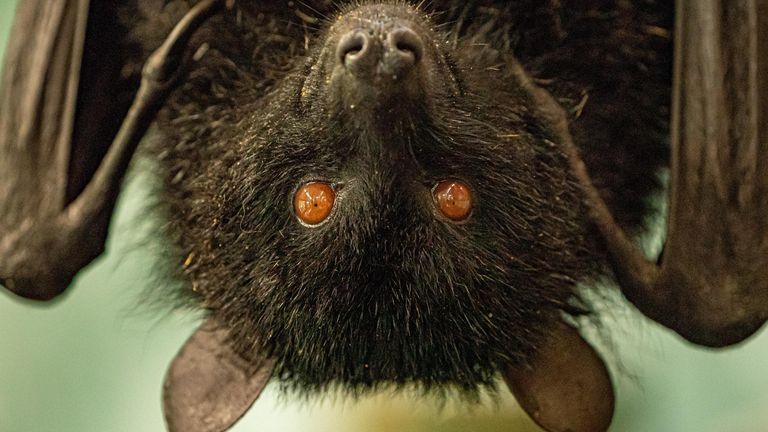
[209, 386]
[566, 387]
[68, 131]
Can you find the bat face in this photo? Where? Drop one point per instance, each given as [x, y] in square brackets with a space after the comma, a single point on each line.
[375, 193]
[394, 210]
[381, 194]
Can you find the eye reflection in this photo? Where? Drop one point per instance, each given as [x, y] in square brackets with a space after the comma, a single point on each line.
[313, 202]
[454, 199]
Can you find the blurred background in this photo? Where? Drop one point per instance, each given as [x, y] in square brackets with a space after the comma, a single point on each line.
[94, 361]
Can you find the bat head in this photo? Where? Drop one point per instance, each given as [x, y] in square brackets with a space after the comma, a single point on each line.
[393, 211]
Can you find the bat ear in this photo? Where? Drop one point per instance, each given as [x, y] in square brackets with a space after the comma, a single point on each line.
[208, 386]
[566, 386]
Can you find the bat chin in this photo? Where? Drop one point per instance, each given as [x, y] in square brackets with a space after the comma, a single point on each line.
[368, 336]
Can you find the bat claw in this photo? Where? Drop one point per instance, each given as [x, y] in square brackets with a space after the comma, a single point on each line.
[163, 66]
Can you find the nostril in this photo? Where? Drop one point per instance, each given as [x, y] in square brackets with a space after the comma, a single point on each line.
[405, 46]
[407, 42]
[351, 45]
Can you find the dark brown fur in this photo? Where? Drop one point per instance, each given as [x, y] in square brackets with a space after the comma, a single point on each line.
[385, 292]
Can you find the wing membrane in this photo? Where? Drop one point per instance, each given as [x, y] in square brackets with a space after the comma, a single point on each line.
[37, 103]
[62, 182]
[711, 287]
[717, 245]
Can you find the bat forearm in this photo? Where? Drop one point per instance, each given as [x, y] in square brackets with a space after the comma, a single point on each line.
[42, 256]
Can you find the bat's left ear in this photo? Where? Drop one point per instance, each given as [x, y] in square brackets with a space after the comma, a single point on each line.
[566, 386]
[209, 387]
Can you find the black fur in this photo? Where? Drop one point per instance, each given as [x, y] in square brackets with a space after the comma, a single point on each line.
[387, 291]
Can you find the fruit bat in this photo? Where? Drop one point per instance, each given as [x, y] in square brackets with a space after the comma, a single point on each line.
[366, 193]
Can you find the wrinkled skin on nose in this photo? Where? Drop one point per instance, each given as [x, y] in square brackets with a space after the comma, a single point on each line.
[377, 66]
[383, 49]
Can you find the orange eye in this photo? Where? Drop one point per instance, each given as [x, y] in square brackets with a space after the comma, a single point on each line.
[314, 202]
[454, 199]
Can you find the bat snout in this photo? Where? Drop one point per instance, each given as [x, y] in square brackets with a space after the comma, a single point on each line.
[379, 58]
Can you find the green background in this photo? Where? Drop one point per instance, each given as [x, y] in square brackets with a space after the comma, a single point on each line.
[94, 361]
